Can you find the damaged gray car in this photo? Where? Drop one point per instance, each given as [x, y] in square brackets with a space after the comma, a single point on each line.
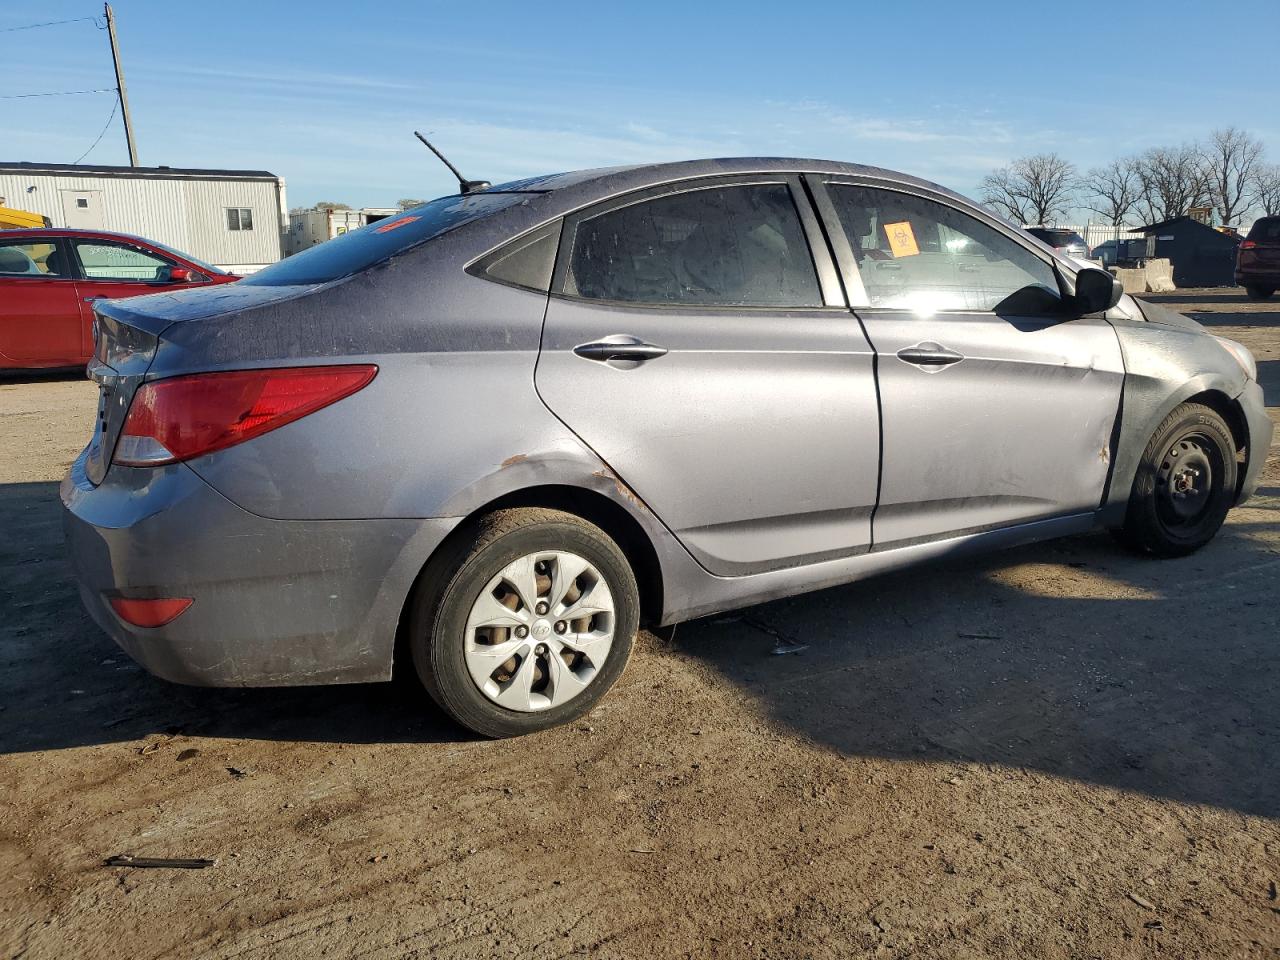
[486, 439]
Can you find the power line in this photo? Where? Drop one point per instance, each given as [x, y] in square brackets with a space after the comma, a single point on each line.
[48, 23]
[58, 93]
[115, 105]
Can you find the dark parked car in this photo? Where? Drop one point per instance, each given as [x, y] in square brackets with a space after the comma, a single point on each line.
[486, 438]
[1066, 242]
[1258, 259]
[49, 280]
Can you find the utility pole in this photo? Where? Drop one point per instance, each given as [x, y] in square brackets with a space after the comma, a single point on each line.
[124, 97]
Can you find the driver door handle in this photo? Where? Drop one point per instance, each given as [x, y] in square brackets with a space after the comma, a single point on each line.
[929, 354]
[630, 349]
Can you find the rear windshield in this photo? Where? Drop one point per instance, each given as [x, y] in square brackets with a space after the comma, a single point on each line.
[1056, 238]
[1266, 230]
[372, 244]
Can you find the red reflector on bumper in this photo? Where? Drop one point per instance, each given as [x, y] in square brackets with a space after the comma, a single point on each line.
[149, 613]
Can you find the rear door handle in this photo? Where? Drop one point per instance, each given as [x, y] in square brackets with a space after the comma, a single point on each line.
[628, 348]
[929, 354]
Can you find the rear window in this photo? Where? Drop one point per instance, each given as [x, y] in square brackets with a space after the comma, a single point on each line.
[1056, 238]
[372, 244]
[1266, 230]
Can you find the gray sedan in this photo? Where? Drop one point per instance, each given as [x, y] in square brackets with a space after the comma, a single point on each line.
[484, 440]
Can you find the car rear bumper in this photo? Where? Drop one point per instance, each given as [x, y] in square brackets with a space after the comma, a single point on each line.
[275, 602]
[1268, 276]
[1260, 429]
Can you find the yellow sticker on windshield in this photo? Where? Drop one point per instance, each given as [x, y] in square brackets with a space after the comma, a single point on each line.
[902, 241]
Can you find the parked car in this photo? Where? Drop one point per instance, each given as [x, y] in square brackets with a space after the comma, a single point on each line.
[485, 439]
[1258, 259]
[49, 280]
[1066, 242]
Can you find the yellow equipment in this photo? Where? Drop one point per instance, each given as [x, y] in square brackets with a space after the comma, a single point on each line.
[10, 219]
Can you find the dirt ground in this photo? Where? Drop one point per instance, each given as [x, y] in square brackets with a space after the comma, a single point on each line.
[1061, 751]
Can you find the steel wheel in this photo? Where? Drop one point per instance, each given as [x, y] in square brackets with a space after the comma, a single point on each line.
[540, 631]
[1184, 485]
[1185, 482]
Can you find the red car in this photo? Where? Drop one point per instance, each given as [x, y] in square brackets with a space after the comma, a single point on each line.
[50, 278]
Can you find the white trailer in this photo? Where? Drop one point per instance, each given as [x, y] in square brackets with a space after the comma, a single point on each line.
[234, 219]
[316, 225]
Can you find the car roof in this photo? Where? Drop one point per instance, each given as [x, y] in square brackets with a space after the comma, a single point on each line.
[601, 182]
[35, 233]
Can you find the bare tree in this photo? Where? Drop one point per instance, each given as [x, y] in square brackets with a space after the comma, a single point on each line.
[1031, 189]
[331, 205]
[1173, 180]
[1266, 188]
[408, 202]
[1113, 190]
[1231, 160]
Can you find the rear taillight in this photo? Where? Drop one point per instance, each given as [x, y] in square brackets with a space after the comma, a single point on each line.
[150, 613]
[185, 417]
[1248, 245]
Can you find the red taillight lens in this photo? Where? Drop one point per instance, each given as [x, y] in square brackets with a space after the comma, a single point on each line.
[149, 613]
[1248, 245]
[185, 417]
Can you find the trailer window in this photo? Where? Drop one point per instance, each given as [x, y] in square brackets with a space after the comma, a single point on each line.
[239, 218]
[363, 248]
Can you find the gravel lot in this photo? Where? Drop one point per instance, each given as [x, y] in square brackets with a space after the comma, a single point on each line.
[1057, 752]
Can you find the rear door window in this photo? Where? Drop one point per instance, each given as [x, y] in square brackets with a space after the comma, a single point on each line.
[27, 259]
[363, 248]
[741, 245]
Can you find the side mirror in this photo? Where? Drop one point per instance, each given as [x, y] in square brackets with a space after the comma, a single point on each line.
[1096, 291]
[179, 275]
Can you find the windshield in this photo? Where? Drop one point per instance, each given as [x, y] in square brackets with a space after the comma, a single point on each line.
[381, 240]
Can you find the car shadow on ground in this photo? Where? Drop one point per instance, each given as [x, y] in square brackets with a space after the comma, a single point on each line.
[54, 375]
[1072, 658]
[1269, 378]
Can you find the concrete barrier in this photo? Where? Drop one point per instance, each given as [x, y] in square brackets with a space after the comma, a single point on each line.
[1155, 277]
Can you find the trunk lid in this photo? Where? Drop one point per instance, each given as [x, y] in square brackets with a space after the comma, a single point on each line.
[126, 336]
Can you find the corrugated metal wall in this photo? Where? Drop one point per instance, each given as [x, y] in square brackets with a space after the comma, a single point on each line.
[190, 215]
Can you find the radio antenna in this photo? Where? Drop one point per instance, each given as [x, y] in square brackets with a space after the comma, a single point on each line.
[464, 185]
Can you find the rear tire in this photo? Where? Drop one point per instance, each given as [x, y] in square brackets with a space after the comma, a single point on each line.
[1254, 292]
[504, 571]
[1184, 486]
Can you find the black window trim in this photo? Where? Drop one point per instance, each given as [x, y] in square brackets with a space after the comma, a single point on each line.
[83, 275]
[479, 267]
[63, 245]
[817, 183]
[829, 289]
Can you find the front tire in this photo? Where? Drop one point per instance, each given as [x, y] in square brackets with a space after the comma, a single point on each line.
[1184, 486]
[1254, 292]
[524, 621]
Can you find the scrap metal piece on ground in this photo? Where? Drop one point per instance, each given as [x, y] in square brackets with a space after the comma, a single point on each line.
[179, 863]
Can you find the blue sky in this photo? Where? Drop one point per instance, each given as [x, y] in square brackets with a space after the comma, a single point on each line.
[326, 94]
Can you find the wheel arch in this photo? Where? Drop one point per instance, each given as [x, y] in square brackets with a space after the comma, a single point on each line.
[1144, 410]
[589, 504]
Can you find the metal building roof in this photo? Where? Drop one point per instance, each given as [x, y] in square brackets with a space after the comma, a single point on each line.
[145, 173]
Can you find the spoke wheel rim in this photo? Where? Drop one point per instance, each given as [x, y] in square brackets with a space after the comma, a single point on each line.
[540, 631]
[1186, 482]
